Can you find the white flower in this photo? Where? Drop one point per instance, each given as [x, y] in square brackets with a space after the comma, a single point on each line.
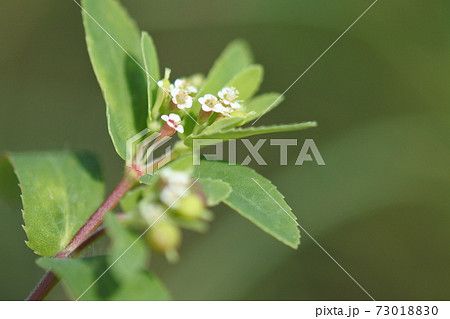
[175, 177]
[174, 121]
[181, 98]
[176, 185]
[185, 85]
[210, 103]
[229, 96]
[150, 212]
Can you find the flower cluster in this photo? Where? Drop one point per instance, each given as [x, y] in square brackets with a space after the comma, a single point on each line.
[182, 93]
[225, 104]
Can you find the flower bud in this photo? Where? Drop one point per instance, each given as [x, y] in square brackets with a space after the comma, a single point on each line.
[164, 237]
[190, 207]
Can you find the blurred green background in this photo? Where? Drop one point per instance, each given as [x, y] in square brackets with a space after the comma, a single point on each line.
[381, 97]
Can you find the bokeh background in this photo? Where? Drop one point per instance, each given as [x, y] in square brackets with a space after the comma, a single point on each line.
[381, 97]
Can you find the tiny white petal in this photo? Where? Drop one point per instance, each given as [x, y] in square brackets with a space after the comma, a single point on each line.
[206, 108]
[192, 89]
[235, 105]
[174, 117]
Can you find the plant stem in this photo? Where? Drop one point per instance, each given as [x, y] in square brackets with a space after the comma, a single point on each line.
[83, 237]
[49, 280]
[86, 234]
[97, 217]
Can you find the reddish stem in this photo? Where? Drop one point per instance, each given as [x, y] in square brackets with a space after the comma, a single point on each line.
[97, 217]
[49, 280]
[43, 287]
[83, 237]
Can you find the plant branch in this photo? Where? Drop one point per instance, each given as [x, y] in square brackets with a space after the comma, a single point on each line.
[86, 234]
[49, 280]
[94, 221]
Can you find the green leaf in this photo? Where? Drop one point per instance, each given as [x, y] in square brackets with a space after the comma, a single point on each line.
[60, 190]
[217, 126]
[198, 226]
[236, 133]
[261, 104]
[76, 274]
[128, 253]
[129, 256]
[215, 190]
[152, 67]
[223, 124]
[143, 286]
[149, 179]
[109, 33]
[247, 81]
[249, 197]
[9, 185]
[129, 202]
[232, 60]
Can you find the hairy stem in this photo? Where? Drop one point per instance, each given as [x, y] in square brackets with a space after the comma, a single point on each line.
[86, 234]
[49, 280]
[97, 217]
[83, 237]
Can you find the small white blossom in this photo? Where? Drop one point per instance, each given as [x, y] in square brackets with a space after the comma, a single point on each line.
[176, 185]
[210, 103]
[174, 121]
[181, 98]
[150, 212]
[228, 97]
[184, 85]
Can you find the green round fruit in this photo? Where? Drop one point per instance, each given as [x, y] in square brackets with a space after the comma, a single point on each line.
[190, 207]
[164, 237]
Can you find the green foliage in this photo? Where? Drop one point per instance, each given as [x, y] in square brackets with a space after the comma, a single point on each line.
[215, 190]
[143, 286]
[152, 69]
[261, 104]
[219, 125]
[268, 210]
[247, 81]
[132, 198]
[236, 133]
[234, 59]
[127, 278]
[9, 186]
[77, 274]
[122, 80]
[136, 256]
[60, 190]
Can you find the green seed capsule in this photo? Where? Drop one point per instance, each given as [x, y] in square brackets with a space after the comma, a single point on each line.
[164, 237]
[190, 207]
